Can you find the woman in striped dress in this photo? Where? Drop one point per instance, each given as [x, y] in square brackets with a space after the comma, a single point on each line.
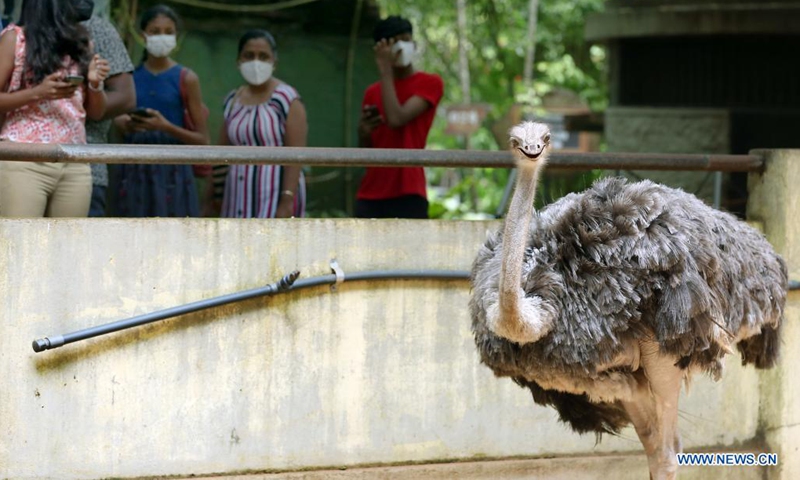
[265, 112]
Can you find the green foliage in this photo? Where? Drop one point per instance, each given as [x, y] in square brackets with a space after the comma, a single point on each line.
[478, 193]
[475, 195]
[496, 41]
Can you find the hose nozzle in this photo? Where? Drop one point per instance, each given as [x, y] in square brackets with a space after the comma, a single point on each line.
[288, 280]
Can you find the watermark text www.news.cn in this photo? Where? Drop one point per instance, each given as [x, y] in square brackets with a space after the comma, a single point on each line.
[728, 459]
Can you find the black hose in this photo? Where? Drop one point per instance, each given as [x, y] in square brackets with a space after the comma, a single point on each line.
[286, 284]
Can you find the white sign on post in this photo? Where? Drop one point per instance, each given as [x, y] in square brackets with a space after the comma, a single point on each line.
[465, 119]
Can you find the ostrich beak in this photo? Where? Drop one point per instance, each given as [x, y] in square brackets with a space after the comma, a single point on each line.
[532, 151]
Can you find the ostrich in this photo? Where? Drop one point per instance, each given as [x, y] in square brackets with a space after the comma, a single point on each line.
[605, 301]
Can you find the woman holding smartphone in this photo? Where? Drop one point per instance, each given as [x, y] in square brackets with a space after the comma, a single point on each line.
[165, 92]
[50, 82]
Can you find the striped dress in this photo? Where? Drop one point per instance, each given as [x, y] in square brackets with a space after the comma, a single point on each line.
[253, 191]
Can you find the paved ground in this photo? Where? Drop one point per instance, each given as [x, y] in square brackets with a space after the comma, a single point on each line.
[606, 467]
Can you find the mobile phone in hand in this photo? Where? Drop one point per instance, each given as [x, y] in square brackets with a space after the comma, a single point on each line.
[371, 110]
[74, 79]
[141, 112]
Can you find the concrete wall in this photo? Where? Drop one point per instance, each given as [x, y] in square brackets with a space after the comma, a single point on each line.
[374, 373]
[774, 201]
[648, 18]
[671, 130]
[668, 130]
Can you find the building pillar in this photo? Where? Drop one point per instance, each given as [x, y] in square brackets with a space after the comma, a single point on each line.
[774, 201]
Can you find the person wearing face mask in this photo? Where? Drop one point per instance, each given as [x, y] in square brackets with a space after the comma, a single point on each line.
[265, 112]
[50, 83]
[397, 112]
[168, 98]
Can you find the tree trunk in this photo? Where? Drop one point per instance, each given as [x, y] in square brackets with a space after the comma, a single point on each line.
[533, 9]
[463, 61]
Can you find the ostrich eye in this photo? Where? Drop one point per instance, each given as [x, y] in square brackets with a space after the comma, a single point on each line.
[514, 142]
[547, 139]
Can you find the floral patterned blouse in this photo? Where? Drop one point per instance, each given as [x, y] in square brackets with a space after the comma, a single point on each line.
[45, 121]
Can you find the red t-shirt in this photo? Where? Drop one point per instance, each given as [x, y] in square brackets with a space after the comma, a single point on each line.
[381, 183]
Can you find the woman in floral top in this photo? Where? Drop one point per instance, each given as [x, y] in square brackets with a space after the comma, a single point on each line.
[49, 83]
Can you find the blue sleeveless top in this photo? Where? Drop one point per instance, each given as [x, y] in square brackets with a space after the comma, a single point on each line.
[145, 190]
[160, 92]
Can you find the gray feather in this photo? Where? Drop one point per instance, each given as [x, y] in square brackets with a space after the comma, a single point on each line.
[622, 262]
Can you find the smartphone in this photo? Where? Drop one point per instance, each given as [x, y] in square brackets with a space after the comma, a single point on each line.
[140, 112]
[74, 79]
[371, 110]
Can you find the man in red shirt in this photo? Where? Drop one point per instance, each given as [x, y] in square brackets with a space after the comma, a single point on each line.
[397, 112]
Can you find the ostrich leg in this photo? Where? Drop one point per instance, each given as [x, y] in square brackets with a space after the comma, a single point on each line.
[654, 411]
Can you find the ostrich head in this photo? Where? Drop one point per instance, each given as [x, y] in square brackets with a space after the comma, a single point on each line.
[530, 143]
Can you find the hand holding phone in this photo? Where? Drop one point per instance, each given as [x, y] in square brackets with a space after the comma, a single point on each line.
[370, 118]
[371, 110]
[141, 113]
[74, 79]
[55, 87]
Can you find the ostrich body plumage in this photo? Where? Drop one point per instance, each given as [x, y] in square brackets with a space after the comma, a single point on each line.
[629, 282]
[623, 262]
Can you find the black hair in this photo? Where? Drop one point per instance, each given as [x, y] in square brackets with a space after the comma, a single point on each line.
[391, 27]
[52, 32]
[154, 12]
[255, 34]
[157, 11]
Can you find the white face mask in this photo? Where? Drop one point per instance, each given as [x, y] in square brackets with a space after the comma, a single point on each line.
[160, 45]
[407, 51]
[256, 72]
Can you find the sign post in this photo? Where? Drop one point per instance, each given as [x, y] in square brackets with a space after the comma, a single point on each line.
[465, 119]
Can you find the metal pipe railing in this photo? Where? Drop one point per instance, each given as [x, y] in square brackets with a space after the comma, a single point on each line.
[359, 157]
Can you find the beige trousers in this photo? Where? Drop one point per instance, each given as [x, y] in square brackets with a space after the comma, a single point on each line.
[44, 189]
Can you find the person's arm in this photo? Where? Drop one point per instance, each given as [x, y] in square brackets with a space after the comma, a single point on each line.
[95, 103]
[156, 121]
[51, 88]
[223, 139]
[120, 95]
[397, 115]
[296, 136]
[212, 204]
[119, 86]
[124, 125]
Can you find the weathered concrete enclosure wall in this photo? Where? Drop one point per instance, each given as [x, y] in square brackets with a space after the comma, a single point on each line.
[670, 130]
[775, 201]
[381, 372]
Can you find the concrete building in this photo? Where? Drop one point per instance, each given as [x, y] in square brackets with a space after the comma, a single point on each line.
[701, 76]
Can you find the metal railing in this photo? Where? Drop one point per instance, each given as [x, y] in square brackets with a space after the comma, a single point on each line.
[359, 157]
[337, 157]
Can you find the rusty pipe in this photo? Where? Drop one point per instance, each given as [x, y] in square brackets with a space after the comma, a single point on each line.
[359, 157]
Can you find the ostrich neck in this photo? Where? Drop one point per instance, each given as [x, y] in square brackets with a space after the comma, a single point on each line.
[515, 239]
